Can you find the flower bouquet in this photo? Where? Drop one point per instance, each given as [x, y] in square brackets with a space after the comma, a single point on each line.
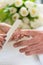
[20, 9]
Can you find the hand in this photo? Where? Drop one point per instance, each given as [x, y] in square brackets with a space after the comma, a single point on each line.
[4, 28]
[32, 46]
[2, 39]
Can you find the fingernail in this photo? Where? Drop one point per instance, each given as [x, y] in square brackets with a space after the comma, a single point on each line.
[27, 53]
[15, 45]
[0, 47]
[21, 50]
[4, 39]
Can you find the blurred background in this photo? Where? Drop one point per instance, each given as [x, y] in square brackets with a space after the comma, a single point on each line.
[37, 1]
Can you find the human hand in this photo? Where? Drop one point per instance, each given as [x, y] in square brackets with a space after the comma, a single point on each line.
[33, 45]
[4, 28]
[2, 39]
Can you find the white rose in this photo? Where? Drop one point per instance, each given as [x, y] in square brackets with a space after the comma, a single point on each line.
[18, 3]
[15, 16]
[13, 10]
[24, 11]
[33, 11]
[25, 26]
[10, 2]
[26, 20]
[36, 23]
[28, 4]
[21, 25]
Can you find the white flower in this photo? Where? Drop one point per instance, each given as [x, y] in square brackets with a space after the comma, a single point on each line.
[25, 26]
[23, 11]
[10, 2]
[21, 25]
[18, 3]
[33, 11]
[37, 23]
[13, 10]
[15, 16]
[28, 4]
[26, 20]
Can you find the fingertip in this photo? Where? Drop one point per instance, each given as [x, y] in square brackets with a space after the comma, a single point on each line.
[21, 51]
[0, 47]
[27, 53]
[4, 40]
[15, 45]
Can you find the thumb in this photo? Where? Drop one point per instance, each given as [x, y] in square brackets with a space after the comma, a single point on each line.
[4, 27]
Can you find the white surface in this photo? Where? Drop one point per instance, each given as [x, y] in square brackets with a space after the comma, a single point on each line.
[11, 56]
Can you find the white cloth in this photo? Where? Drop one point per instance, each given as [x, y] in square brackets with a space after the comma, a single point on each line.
[11, 56]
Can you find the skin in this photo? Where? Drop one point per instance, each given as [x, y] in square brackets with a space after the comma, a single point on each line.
[31, 46]
[3, 31]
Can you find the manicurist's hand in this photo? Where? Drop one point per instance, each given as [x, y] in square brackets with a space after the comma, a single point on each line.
[31, 46]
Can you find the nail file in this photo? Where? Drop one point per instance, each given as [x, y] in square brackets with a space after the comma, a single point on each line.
[12, 30]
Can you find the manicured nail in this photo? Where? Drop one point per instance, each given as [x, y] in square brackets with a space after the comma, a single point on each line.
[0, 47]
[4, 40]
[15, 45]
[21, 50]
[27, 53]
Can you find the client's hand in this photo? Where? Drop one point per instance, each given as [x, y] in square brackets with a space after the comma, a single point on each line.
[4, 28]
[3, 31]
[32, 46]
[2, 39]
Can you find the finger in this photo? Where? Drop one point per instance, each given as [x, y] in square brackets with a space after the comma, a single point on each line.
[16, 35]
[38, 51]
[1, 32]
[22, 50]
[27, 42]
[21, 43]
[21, 33]
[32, 48]
[3, 35]
[30, 32]
[2, 39]
[1, 45]
[4, 27]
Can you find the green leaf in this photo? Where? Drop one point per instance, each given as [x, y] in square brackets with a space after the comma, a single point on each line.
[29, 0]
[24, 0]
[10, 19]
[3, 14]
[33, 0]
